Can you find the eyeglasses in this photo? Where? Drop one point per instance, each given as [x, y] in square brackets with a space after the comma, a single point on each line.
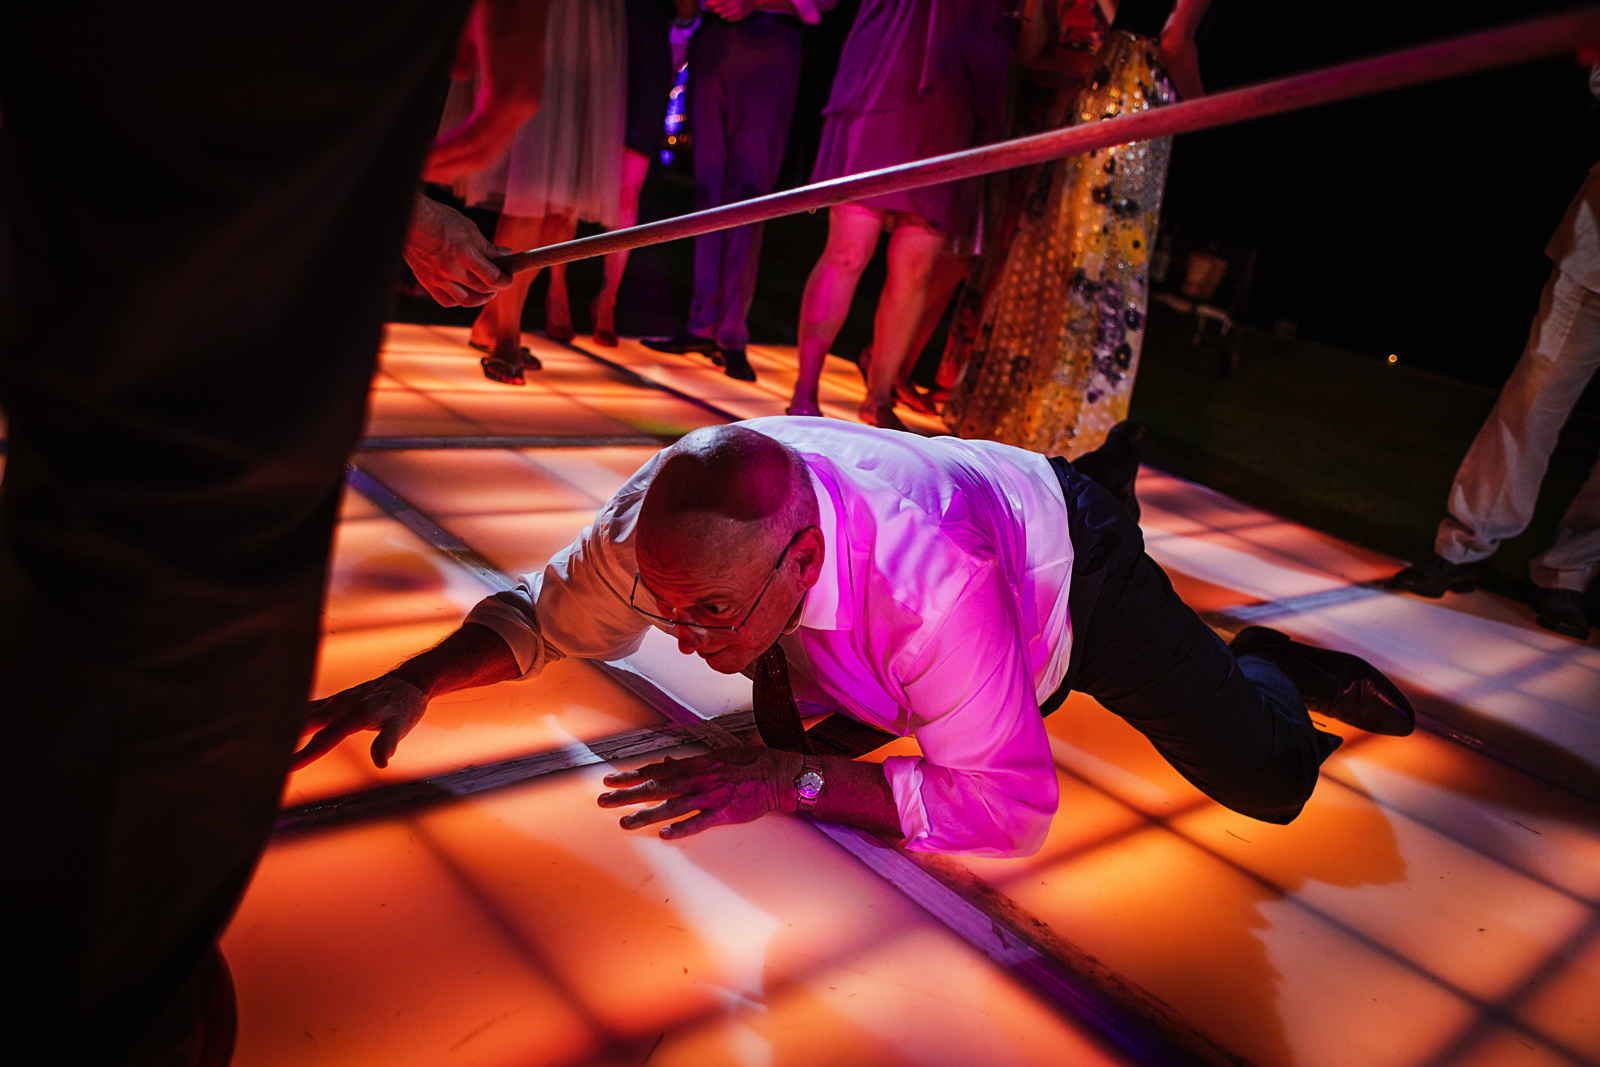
[673, 624]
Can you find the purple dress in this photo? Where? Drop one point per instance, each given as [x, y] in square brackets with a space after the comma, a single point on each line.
[917, 78]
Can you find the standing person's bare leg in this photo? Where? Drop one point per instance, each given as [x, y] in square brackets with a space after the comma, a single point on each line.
[498, 328]
[913, 246]
[852, 235]
[949, 271]
[602, 312]
[557, 307]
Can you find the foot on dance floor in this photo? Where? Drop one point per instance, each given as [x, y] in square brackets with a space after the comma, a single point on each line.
[681, 344]
[1114, 466]
[1561, 610]
[1336, 684]
[605, 327]
[1436, 576]
[881, 416]
[735, 364]
[500, 366]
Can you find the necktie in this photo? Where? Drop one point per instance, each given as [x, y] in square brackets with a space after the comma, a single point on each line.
[777, 718]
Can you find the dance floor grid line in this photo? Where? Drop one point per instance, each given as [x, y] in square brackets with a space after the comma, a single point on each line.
[1432, 906]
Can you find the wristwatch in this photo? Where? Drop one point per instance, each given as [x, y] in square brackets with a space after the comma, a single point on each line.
[808, 783]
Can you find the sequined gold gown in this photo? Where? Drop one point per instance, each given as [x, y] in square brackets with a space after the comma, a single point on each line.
[1053, 323]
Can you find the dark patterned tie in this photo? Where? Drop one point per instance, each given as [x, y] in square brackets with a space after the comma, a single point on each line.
[777, 718]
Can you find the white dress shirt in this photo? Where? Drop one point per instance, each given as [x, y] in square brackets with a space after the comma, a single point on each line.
[941, 612]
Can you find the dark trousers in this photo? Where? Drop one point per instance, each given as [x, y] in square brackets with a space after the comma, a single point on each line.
[743, 78]
[1236, 729]
[205, 206]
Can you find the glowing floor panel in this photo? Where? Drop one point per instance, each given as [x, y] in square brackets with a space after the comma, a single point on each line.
[526, 928]
[1433, 906]
[391, 595]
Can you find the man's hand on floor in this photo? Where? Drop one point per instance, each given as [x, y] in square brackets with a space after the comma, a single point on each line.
[386, 704]
[731, 785]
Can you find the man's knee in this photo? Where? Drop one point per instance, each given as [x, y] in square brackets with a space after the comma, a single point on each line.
[1275, 790]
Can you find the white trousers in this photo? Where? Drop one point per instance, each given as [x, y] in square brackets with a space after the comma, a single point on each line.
[1498, 482]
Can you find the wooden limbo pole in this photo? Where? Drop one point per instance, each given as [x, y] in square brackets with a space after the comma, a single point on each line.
[1505, 46]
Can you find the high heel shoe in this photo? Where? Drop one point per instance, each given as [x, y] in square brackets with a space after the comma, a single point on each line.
[606, 338]
[524, 354]
[926, 402]
[555, 332]
[882, 416]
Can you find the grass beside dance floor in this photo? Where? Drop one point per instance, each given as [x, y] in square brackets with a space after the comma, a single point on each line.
[1353, 446]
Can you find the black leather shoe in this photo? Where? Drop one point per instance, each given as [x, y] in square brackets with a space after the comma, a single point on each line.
[1336, 684]
[735, 364]
[1561, 610]
[1115, 464]
[681, 343]
[1436, 576]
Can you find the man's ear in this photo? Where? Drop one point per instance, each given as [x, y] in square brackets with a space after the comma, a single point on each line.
[809, 554]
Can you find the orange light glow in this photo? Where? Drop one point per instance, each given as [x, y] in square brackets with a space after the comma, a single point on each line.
[1431, 906]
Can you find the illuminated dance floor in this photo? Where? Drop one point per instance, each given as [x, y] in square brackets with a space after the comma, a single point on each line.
[1437, 904]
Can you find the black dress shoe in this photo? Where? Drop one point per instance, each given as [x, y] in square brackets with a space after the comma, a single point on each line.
[735, 364]
[1561, 610]
[1436, 576]
[1114, 466]
[1336, 684]
[681, 344]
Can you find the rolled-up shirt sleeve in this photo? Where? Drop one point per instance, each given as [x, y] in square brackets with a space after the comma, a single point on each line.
[578, 604]
[985, 784]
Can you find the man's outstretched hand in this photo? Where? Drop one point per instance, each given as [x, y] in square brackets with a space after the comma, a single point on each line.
[730, 785]
[386, 704]
[451, 258]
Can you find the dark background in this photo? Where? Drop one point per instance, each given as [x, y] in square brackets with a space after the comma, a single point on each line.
[1413, 222]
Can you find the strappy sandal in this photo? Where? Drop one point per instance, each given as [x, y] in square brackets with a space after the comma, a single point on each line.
[883, 417]
[529, 360]
[926, 402]
[502, 370]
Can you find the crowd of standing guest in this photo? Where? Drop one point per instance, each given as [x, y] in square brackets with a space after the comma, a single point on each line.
[1050, 261]
[744, 79]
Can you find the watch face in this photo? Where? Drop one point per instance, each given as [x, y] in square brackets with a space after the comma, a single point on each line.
[809, 784]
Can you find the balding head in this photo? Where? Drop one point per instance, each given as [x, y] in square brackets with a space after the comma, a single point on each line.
[722, 490]
[728, 543]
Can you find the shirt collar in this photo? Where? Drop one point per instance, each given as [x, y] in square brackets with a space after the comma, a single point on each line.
[823, 607]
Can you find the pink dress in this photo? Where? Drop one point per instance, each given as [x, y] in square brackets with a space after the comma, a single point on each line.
[917, 78]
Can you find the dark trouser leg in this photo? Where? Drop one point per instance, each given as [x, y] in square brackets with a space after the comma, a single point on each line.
[746, 104]
[764, 80]
[708, 110]
[206, 224]
[1237, 730]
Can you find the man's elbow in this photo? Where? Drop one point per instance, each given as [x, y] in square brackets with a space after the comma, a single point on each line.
[1019, 834]
[1024, 837]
